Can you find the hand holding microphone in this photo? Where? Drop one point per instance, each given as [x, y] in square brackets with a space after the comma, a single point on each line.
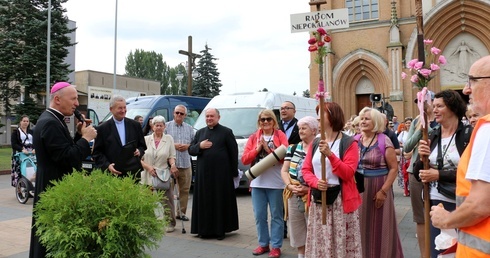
[84, 128]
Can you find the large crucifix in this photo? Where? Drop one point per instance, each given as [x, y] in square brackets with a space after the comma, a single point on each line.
[190, 64]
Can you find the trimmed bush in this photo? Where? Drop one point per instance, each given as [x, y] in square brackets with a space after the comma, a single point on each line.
[98, 215]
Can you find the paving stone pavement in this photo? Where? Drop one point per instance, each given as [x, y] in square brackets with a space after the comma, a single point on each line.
[15, 222]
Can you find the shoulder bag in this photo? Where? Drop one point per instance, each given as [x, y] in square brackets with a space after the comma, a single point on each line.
[162, 180]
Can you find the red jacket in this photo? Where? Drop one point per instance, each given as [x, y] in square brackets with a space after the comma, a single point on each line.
[249, 152]
[344, 169]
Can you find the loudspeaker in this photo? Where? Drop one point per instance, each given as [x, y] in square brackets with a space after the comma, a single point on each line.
[375, 97]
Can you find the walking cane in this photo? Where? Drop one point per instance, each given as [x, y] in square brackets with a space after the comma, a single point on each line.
[177, 198]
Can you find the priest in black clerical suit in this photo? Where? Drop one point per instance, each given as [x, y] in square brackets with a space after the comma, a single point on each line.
[116, 134]
[214, 206]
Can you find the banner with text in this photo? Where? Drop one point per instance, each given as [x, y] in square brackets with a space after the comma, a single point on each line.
[328, 19]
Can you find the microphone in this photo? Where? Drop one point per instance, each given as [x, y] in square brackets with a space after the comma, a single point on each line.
[79, 116]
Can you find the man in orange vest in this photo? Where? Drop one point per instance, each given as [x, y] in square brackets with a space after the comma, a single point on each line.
[472, 215]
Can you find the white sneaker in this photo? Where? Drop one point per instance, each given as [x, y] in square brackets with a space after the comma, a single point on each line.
[170, 229]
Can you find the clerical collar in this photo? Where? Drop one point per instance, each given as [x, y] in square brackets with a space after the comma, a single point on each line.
[118, 122]
[57, 111]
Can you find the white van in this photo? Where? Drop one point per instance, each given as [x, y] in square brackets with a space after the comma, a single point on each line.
[239, 112]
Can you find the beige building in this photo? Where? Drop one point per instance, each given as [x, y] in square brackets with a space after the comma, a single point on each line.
[96, 88]
[370, 55]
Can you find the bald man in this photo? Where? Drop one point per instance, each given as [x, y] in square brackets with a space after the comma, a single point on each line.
[472, 214]
[56, 152]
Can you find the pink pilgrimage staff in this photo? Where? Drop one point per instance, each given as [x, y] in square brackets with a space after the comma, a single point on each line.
[340, 236]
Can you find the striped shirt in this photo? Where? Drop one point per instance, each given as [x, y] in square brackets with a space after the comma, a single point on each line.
[182, 134]
[296, 161]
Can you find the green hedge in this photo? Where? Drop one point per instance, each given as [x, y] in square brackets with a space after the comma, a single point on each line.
[98, 215]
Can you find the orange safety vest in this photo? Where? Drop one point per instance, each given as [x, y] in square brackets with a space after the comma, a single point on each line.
[473, 241]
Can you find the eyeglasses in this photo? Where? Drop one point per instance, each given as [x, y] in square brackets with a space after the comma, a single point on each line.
[286, 108]
[474, 78]
[263, 119]
[179, 113]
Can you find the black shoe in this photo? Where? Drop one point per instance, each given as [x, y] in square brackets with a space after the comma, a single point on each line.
[184, 218]
[221, 237]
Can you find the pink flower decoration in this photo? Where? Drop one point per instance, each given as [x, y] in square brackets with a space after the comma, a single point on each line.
[427, 41]
[442, 60]
[321, 86]
[312, 48]
[404, 75]
[324, 95]
[418, 65]
[312, 41]
[412, 63]
[414, 78]
[425, 72]
[321, 31]
[435, 50]
[434, 67]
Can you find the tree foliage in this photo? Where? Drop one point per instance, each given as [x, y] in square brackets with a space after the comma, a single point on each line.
[148, 65]
[23, 49]
[207, 84]
[306, 93]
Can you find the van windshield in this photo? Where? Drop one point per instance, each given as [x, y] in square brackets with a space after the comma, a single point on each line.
[243, 121]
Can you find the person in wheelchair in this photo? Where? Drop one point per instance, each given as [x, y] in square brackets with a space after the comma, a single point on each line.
[21, 142]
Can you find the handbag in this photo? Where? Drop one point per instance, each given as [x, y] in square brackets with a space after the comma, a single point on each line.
[162, 180]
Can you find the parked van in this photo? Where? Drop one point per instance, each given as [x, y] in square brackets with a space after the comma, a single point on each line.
[151, 106]
[240, 111]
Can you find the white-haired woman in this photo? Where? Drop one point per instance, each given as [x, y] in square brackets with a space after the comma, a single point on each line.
[378, 164]
[159, 154]
[296, 191]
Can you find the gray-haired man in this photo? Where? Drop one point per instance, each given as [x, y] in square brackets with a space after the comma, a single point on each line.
[183, 135]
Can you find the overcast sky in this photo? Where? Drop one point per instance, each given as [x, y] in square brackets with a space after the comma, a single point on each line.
[252, 39]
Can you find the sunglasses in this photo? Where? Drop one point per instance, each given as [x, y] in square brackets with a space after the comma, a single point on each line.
[179, 113]
[263, 119]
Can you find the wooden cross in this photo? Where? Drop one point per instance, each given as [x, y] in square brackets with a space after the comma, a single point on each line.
[190, 64]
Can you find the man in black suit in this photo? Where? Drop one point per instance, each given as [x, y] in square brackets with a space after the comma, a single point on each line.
[289, 124]
[115, 137]
[56, 152]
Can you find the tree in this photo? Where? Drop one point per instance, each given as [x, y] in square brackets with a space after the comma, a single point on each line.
[264, 90]
[306, 93]
[207, 84]
[148, 65]
[177, 87]
[23, 23]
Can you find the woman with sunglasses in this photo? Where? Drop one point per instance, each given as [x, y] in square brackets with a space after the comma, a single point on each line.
[267, 188]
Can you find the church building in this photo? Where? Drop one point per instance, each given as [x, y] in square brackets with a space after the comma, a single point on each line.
[369, 56]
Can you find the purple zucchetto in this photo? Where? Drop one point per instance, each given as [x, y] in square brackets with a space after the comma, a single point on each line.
[58, 86]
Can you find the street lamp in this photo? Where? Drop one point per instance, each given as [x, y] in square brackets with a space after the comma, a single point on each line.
[194, 74]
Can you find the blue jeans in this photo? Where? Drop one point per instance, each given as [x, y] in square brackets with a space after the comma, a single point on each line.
[261, 197]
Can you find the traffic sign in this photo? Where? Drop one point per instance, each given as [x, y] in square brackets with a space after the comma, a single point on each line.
[328, 19]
